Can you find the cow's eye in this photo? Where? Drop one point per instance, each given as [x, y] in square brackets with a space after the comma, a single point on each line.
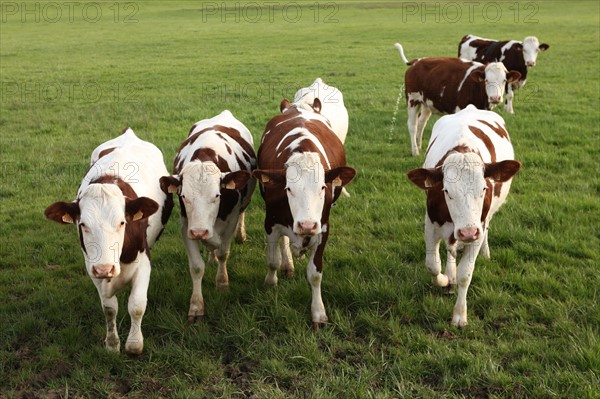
[324, 187]
[122, 223]
[218, 195]
[289, 190]
[182, 196]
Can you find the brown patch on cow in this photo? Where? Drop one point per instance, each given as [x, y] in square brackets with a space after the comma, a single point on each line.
[491, 51]
[437, 209]
[498, 129]
[438, 80]
[81, 243]
[135, 241]
[497, 189]
[487, 201]
[451, 239]
[429, 146]
[106, 152]
[463, 149]
[167, 209]
[209, 155]
[486, 140]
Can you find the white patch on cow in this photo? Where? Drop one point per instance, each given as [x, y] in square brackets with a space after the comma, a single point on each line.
[200, 192]
[495, 82]
[530, 50]
[464, 188]
[332, 105]
[305, 179]
[102, 225]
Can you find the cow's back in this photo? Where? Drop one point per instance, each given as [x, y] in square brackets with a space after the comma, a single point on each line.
[299, 131]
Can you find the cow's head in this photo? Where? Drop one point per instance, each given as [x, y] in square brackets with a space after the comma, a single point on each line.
[531, 48]
[200, 186]
[462, 179]
[496, 76]
[305, 182]
[102, 213]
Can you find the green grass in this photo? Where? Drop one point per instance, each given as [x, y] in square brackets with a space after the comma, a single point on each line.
[533, 308]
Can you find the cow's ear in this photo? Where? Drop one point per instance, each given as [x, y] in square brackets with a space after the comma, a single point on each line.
[139, 208]
[235, 180]
[544, 47]
[63, 212]
[513, 76]
[478, 75]
[502, 171]
[425, 178]
[269, 177]
[170, 184]
[284, 105]
[341, 176]
[316, 105]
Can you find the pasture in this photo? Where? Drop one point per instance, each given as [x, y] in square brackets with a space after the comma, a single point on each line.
[73, 75]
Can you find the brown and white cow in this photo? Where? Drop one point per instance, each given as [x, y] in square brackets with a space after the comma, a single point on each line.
[515, 55]
[447, 85]
[120, 212]
[302, 169]
[467, 175]
[213, 177]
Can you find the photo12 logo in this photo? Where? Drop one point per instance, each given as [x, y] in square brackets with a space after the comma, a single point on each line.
[69, 11]
[73, 92]
[470, 11]
[270, 11]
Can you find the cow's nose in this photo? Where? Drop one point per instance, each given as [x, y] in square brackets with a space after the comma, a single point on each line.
[106, 270]
[531, 63]
[469, 234]
[495, 99]
[307, 228]
[198, 234]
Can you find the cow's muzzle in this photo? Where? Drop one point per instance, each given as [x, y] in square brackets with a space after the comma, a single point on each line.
[468, 234]
[307, 228]
[107, 270]
[198, 234]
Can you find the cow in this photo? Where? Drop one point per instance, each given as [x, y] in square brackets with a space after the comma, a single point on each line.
[466, 175]
[301, 169]
[332, 105]
[515, 55]
[446, 85]
[120, 211]
[212, 175]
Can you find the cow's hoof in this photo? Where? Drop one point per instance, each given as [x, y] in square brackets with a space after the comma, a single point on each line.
[222, 286]
[112, 344]
[134, 348]
[195, 318]
[317, 325]
[459, 321]
[450, 289]
[288, 273]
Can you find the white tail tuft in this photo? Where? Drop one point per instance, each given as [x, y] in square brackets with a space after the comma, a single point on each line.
[401, 51]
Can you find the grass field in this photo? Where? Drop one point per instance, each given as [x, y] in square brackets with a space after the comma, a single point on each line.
[75, 74]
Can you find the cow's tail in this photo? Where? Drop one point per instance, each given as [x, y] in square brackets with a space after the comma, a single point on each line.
[401, 51]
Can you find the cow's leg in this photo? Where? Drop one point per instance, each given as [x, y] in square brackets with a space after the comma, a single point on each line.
[508, 107]
[196, 265]
[413, 111]
[450, 271]
[273, 259]
[423, 118]
[222, 254]
[464, 276]
[110, 306]
[314, 274]
[485, 248]
[432, 255]
[240, 231]
[138, 298]
[287, 263]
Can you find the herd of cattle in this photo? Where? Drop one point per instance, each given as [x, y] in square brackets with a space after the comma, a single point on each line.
[126, 197]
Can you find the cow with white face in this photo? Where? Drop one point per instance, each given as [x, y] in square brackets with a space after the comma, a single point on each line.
[515, 55]
[302, 170]
[120, 212]
[332, 105]
[467, 175]
[213, 177]
[447, 85]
